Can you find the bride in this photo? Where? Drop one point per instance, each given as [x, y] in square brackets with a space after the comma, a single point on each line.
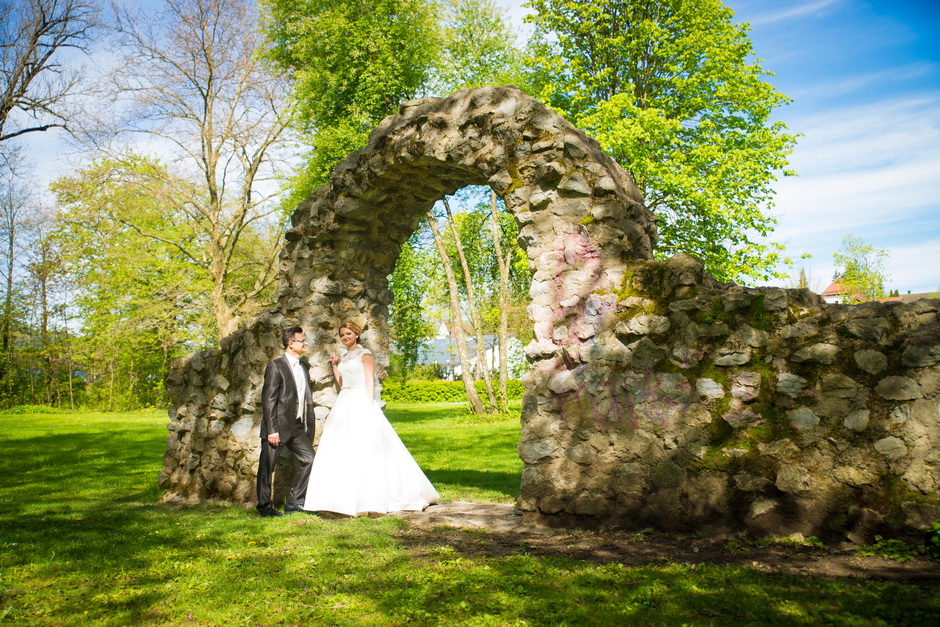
[361, 464]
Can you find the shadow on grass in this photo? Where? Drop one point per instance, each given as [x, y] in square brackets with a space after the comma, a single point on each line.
[79, 533]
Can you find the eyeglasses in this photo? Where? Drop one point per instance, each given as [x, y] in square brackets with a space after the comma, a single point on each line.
[301, 341]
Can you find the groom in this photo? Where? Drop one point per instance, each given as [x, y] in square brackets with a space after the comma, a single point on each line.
[287, 420]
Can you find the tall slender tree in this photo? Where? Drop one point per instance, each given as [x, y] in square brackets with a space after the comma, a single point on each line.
[503, 265]
[456, 318]
[473, 309]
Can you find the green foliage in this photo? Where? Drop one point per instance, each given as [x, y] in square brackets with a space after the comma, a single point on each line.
[860, 269]
[142, 300]
[891, 549]
[671, 90]
[440, 391]
[932, 543]
[351, 63]
[30, 409]
[410, 284]
[477, 47]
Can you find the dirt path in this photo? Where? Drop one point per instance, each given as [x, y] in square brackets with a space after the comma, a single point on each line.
[507, 534]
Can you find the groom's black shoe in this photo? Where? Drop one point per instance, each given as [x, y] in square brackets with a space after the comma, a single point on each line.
[269, 512]
[292, 509]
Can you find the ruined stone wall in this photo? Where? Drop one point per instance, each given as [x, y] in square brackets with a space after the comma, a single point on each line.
[581, 222]
[657, 396]
[716, 407]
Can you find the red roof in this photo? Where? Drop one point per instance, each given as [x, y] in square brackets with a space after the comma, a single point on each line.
[835, 289]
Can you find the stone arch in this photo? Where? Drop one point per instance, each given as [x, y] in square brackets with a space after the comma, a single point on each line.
[656, 396]
[582, 222]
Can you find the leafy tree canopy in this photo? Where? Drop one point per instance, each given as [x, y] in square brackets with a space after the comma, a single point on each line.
[860, 269]
[351, 63]
[477, 47]
[669, 88]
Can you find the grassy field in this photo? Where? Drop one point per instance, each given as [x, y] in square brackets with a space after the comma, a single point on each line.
[83, 542]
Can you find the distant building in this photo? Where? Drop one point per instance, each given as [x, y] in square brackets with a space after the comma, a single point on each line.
[910, 298]
[442, 351]
[835, 294]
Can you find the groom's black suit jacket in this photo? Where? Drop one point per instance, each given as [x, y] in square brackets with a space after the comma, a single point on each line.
[279, 399]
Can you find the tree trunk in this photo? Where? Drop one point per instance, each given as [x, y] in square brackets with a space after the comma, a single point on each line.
[68, 364]
[8, 301]
[456, 320]
[482, 367]
[503, 265]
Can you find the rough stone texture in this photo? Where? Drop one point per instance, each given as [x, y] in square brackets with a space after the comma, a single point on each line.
[656, 396]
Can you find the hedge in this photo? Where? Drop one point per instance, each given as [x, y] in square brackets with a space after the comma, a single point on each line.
[441, 391]
[31, 409]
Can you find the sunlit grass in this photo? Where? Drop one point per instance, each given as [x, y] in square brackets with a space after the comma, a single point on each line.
[83, 542]
[466, 458]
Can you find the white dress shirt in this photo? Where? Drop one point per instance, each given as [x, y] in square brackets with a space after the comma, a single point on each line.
[299, 381]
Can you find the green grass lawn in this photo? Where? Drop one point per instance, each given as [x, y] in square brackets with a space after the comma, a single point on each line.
[83, 542]
[465, 460]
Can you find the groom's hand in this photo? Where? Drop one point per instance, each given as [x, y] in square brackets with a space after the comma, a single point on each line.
[274, 439]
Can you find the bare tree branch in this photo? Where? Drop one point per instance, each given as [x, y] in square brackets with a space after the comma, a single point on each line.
[192, 77]
[35, 84]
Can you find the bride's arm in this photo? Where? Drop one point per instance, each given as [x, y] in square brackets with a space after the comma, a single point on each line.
[369, 366]
[334, 360]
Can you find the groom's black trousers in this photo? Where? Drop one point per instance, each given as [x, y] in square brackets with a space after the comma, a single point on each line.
[299, 444]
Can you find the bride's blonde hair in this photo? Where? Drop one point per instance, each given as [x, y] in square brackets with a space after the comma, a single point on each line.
[352, 326]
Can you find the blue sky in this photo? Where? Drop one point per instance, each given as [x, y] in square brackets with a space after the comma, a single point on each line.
[864, 77]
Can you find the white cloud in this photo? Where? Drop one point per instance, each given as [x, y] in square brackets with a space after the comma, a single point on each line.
[914, 268]
[863, 166]
[793, 11]
[864, 83]
[874, 171]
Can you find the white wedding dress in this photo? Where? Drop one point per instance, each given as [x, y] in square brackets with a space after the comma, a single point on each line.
[361, 465]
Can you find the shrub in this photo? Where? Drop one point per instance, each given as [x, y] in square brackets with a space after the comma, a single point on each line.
[891, 549]
[440, 391]
[932, 544]
[31, 409]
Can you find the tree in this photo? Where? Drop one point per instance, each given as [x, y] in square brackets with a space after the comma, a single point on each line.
[503, 264]
[477, 47]
[350, 63]
[15, 197]
[860, 269]
[16, 200]
[48, 347]
[669, 89]
[192, 79]
[409, 283]
[36, 85]
[141, 300]
[472, 306]
[456, 318]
